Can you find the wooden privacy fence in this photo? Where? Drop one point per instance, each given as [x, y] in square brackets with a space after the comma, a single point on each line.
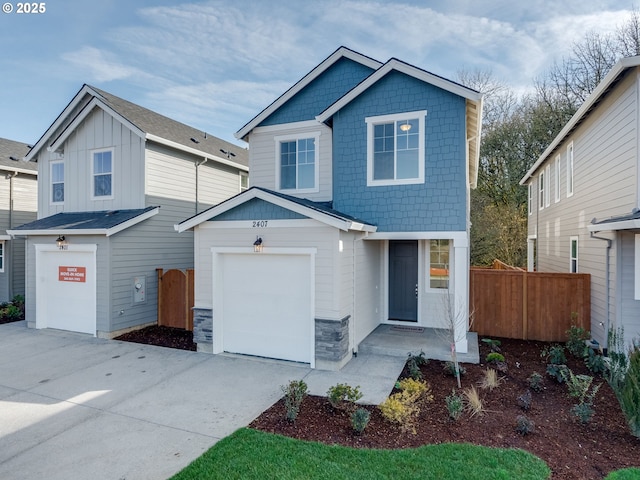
[529, 305]
[175, 298]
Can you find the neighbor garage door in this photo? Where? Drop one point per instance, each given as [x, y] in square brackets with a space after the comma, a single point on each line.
[266, 305]
[66, 288]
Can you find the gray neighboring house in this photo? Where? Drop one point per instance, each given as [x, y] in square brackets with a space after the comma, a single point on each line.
[114, 178]
[18, 204]
[584, 201]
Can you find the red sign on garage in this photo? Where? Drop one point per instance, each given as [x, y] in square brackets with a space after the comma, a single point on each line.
[72, 274]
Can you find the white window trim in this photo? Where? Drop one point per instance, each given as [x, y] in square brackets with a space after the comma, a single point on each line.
[547, 187]
[530, 198]
[570, 170]
[289, 138]
[541, 190]
[240, 177]
[3, 255]
[557, 176]
[427, 256]
[571, 240]
[371, 122]
[113, 168]
[51, 164]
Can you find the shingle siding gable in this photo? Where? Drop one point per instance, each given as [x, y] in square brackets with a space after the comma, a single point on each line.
[320, 93]
[437, 205]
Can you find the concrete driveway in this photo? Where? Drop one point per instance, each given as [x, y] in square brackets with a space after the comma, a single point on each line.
[78, 407]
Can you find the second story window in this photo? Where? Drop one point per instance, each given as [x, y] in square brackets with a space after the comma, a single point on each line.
[244, 181]
[297, 162]
[102, 173]
[395, 149]
[57, 182]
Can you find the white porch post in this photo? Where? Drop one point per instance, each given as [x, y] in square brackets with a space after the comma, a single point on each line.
[461, 294]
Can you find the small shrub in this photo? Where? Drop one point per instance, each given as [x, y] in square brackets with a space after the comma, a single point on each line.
[494, 345]
[554, 355]
[629, 397]
[343, 396]
[490, 379]
[473, 402]
[536, 382]
[414, 362]
[402, 407]
[524, 401]
[556, 371]
[450, 369]
[575, 340]
[360, 420]
[455, 405]
[583, 412]
[494, 357]
[12, 313]
[524, 426]
[294, 393]
[594, 362]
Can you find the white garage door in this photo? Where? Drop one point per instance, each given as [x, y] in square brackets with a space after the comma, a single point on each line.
[267, 307]
[66, 288]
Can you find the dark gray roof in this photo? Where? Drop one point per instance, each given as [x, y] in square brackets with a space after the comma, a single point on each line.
[155, 124]
[11, 149]
[84, 220]
[634, 215]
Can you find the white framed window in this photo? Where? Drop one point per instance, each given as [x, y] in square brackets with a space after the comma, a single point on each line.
[570, 170]
[244, 181]
[102, 174]
[2, 250]
[395, 149]
[439, 265]
[557, 178]
[547, 187]
[541, 185]
[57, 182]
[298, 165]
[530, 198]
[573, 254]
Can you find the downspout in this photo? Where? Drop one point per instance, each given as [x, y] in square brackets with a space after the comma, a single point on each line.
[606, 281]
[197, 181]
[9, 244]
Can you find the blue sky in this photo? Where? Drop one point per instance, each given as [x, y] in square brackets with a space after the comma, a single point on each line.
[215, 64]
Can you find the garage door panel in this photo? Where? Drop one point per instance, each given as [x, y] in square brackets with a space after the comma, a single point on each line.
[266, 305]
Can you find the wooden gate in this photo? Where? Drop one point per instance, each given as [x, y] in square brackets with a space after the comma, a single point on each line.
[175, 298]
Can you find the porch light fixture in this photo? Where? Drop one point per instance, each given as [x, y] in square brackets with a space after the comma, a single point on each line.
[257, 245]
[62, 243]
[405, 127]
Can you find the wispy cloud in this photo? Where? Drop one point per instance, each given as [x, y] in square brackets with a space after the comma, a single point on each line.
[100, 65]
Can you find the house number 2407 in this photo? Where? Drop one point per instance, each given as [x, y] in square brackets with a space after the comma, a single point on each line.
[260, 223]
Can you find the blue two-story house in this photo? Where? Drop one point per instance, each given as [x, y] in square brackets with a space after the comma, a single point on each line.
[357, 215]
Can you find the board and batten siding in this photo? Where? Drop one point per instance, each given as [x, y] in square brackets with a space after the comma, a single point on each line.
[172, 175]
[368, 301]
[263, 161]
[98, 131]
[605, 154]
[319, 236]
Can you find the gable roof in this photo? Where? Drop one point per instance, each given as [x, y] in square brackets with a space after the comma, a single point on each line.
[86, 223]
[316, 210]
[11, 154]
[473, 99]
[599, 93]
[342, 52]
[145, 123]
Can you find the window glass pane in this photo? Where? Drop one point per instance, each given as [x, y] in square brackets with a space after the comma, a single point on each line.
[102, 185]
[57, 192]
[407, 164]
[383, 166]
[57, 172]
[305, 176]
[439, 264]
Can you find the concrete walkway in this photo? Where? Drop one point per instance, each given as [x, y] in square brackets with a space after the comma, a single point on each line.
[78, 407]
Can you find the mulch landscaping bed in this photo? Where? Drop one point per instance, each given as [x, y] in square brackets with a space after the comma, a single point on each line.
[162, 337]
[572, 450]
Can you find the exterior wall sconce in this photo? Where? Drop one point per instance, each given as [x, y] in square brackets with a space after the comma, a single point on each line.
[62, 243]
[257, 245]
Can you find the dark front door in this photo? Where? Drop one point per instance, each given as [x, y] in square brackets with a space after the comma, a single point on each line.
[403, 280]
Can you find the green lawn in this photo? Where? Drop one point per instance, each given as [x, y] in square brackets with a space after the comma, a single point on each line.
[624, 474]
[250, 454]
